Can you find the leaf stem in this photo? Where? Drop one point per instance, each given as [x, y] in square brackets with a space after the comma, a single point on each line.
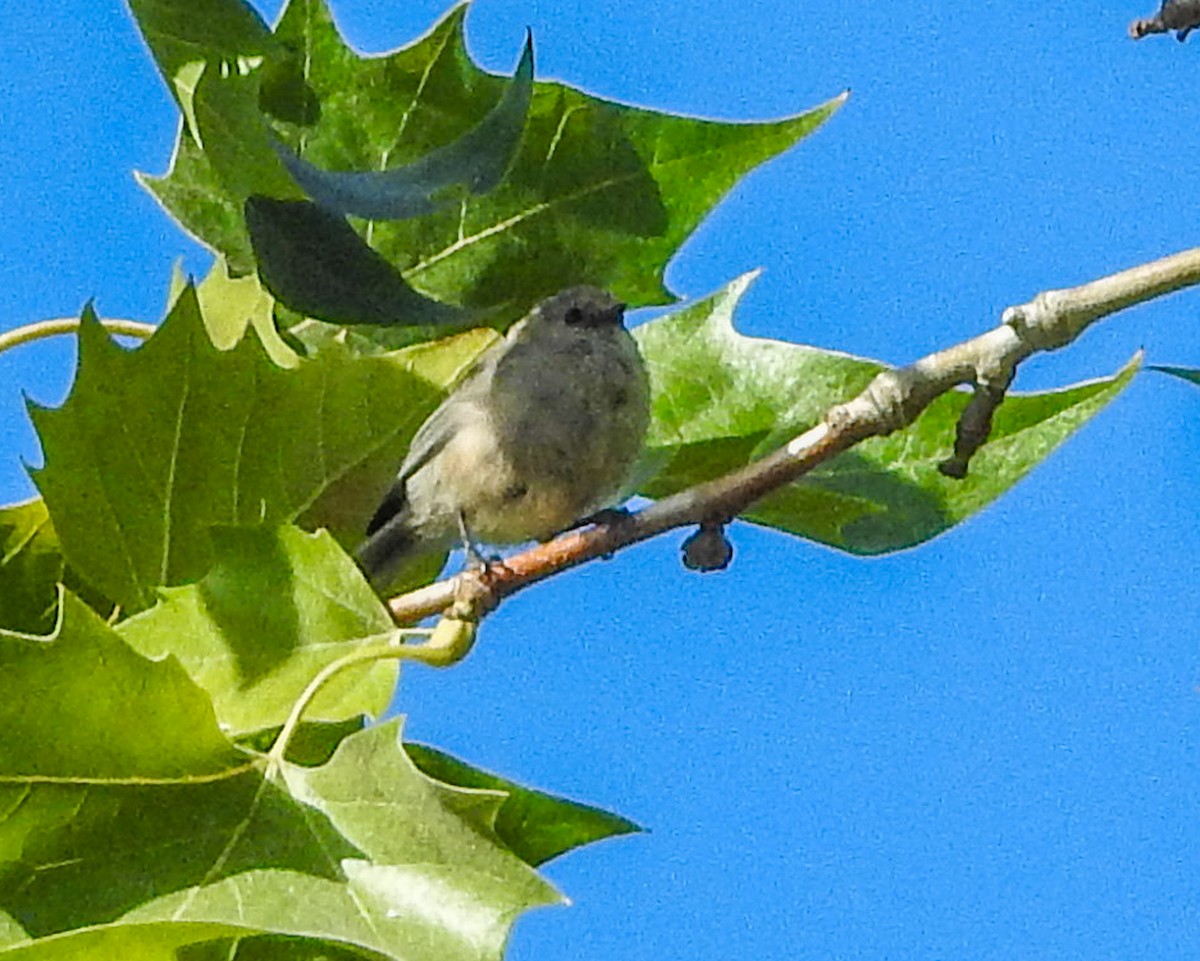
[69, 325]
[448, 643]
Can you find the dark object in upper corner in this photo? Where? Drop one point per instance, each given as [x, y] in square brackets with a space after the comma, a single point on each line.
[1182, 16]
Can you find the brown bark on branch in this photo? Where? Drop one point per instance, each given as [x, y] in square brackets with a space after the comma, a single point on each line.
[1182, 16]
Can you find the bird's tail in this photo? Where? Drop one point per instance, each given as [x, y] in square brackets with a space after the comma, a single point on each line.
[381, 555]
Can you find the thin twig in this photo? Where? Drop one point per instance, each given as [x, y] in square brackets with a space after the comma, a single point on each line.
[893, 400]
[69, 325]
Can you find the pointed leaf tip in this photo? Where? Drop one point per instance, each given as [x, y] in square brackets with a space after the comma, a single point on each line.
[535, 825]
[1189, 374]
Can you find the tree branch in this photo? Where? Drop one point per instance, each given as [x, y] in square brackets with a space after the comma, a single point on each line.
[893, 400]
[1182, 16]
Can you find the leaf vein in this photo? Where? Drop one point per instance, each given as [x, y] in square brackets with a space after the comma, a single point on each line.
[222, 859]
[518, 218]
[173, 466]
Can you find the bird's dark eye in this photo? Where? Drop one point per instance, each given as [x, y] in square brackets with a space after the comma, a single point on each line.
[574, 316]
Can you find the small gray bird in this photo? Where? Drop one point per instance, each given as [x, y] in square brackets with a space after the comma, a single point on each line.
[541, 433]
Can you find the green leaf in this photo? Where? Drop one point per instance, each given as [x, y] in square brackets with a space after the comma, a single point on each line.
[227, 123]
[599, 192]
[10, 932]
[312, 260]
[133, 826]
[717, 396]
[438, 884]
[276, 607]
[230, 305]
[115, 781]
[1190, 374]
[312, 742]
[410, 810]
[74, 704]
[475, 162]
[535, 825]
[721, 399]
[91, 850]
[160, 941]
[314, 263]
[225, 68]
[184, 32]
[155, 446]
[31, 566]
[284, 93]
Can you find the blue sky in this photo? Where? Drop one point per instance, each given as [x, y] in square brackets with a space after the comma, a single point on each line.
[984, 748]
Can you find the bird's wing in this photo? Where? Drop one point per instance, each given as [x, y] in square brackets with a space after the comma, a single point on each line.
[391, 505]
[429, 439]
